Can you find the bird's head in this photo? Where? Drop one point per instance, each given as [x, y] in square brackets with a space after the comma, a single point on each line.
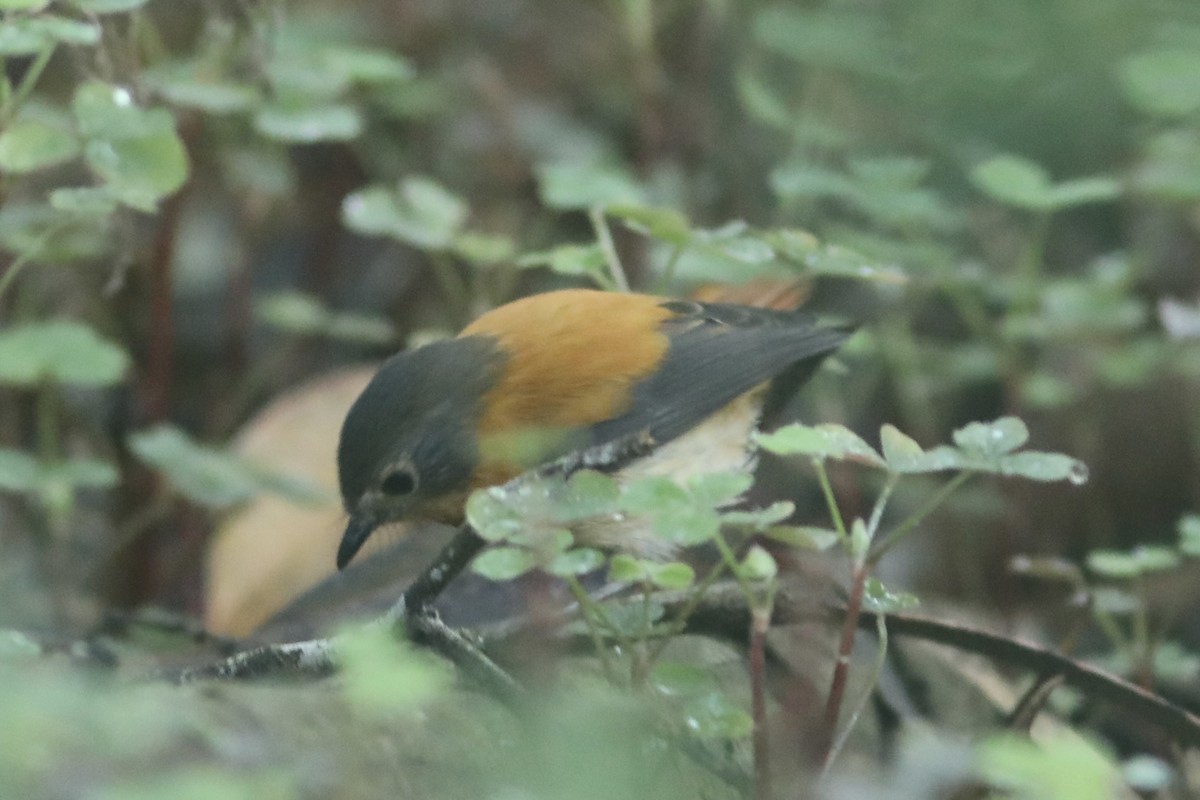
[409, 445]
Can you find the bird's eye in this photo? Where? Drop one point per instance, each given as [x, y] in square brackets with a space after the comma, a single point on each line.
[398, 482]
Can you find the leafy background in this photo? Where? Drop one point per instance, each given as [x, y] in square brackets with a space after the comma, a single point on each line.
[207, 203]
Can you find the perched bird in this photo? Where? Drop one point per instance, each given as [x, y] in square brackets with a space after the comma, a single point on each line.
[552, 373]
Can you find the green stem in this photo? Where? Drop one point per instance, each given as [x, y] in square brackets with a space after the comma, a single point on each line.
[27, 82]
[881, 503]
[28, 255]
[604, 238]
[699, 592]
[592, 616]
[894, 536]
[831, 501]
[868, 691]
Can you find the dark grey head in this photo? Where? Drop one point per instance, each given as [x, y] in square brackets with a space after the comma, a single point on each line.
[409, 440]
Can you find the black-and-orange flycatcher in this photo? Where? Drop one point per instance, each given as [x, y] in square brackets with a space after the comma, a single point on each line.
[543, 376]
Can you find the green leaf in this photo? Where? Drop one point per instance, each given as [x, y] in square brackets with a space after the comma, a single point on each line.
[307, 124]
[579, 561]
[758, 565]
[879, 599]
[504, 563]
[1163, 82]
[1022, 183]
[28, 145]
[22, 37]
[570, 186]
[491, 517]
[482, 249]
[84, 201]
[1189, 535]
[106, 112]
[801, 248]
[1083, 191]
[588, 494]
[23, 5]
[1123, 565]
[715, 489]
[82, 473]
[1063, 767]
[715, 716]
[382, 673]
[366, 328]
[1015, 181]
[189, 84]
[293, 311]
[899, 449]
[678, 679]
[624, 568]
[760, 518]
[1110, 600]
[62, 351]
[822, 441]
[992, 439]
[665, 224]
[571, 259]
[1039, 466]
[366, 65]
[1048, 568]
[139, 172]
[421, 213]
[672, 576]
[804, 537]
[653, 494]
[204, 475]
[107, 6]
[838, 38]
[686, 526]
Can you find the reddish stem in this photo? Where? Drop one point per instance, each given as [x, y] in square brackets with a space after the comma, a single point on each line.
[841, 669]
[760, 621]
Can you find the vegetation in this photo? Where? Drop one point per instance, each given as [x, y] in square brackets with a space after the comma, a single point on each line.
[203, 205]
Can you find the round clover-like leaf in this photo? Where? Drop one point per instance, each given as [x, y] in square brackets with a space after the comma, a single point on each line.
[673, 575]
[1163, 82]
[504, 563]
[578, 561]
[421, 212]
[572, 186]
[204, 475]
[686, 526]
[140, 171]
[821, 441]
[308, 124]
[62, 351]
[1015, 181]
[28, 145]
[108, 6]
[992, 439]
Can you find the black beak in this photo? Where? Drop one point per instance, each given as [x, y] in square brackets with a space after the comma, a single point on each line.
[357, 532]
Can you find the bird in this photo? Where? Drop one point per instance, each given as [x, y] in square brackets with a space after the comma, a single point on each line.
[553, 373]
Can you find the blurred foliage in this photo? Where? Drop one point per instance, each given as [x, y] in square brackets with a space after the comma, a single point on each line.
[202, 203]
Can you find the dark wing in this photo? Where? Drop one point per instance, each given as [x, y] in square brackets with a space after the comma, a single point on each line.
[717, 353]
